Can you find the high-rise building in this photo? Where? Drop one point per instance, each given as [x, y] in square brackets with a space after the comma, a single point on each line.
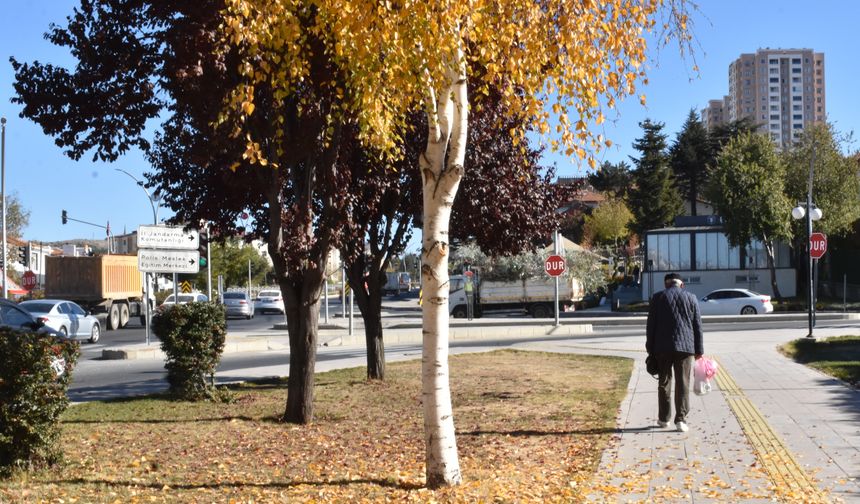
[715, 113]
[781, 90]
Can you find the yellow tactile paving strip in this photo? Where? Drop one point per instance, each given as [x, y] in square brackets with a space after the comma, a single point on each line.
[789, 479]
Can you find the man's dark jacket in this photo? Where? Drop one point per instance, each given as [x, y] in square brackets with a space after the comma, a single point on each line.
[674, 323]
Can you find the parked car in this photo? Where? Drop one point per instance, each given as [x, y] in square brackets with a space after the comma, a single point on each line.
[269, 300]
[65, 317]
[190, 297]
[625, 295]
[734, 302]
[238, 304]
[15, 317]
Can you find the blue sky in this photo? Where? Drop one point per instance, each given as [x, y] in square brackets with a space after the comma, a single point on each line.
[48, 182]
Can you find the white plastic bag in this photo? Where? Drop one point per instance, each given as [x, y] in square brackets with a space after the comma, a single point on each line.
[703, 371]
[701, 387]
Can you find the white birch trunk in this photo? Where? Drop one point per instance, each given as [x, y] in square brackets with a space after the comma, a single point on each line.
[447, 122]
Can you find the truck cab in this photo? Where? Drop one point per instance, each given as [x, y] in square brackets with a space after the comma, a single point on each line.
[457, 296]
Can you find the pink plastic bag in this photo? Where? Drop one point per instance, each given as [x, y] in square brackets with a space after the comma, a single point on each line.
[703, 371]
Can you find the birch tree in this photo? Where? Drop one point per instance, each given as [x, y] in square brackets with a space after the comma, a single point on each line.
[552, 58]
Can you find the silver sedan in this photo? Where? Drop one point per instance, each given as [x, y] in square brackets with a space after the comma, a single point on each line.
[65, 317]
[238, 304]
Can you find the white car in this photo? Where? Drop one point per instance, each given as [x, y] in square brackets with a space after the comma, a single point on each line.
[735, 302]
[65, 317]
[190, 297]
[269, 300]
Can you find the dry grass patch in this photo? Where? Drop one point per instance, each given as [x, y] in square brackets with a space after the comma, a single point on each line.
[531, 427]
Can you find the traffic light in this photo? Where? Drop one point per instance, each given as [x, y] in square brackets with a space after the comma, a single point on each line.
[203, 250]
[65, 217]
[23, 256]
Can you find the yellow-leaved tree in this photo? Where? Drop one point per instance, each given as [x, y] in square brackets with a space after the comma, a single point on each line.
[560, 65]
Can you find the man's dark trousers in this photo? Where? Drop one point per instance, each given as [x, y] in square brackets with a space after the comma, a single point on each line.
[682, 365]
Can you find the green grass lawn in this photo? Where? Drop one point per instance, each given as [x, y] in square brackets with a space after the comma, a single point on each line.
[839, 356]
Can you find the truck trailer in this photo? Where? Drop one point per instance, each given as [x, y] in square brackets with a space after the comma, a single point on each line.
[109, 284]
[534, 296]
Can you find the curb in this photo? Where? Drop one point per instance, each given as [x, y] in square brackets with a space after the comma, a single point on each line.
[392, 335]
[458, 331]
[232, 345]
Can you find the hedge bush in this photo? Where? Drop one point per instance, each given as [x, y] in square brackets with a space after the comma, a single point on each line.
[32, 397]
[192, 337]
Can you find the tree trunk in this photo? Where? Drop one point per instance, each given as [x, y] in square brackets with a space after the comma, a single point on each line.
[799, 261]
[826, 273]
[768, 244]
[302, 307]
[447, 120]
[371, 313]
[373, 340]
[368, 297]
[303, 326]
[301, 292]
[694, 195]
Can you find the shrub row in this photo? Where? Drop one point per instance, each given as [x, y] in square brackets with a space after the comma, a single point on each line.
[35, 372]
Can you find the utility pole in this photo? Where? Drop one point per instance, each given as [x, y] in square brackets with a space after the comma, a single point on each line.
[3, 197]
[809, 211]
[147, 277]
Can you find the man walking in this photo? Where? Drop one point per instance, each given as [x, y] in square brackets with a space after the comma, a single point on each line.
[674, 337]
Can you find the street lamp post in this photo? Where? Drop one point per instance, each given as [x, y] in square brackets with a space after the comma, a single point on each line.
[3, 197]
[810, 212]
[153, 201]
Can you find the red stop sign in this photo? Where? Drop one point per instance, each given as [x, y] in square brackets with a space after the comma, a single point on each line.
[817, 245]
[554, 265]
[29, 280]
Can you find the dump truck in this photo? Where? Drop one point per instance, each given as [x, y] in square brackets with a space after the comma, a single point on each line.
[107, 285]
[534, 296]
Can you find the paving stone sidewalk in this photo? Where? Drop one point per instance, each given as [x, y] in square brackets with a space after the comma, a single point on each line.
[770, 430]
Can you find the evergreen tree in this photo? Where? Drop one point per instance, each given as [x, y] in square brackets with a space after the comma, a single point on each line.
[653, 199]
[690, 157]
[720, 135]
[612, 178]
